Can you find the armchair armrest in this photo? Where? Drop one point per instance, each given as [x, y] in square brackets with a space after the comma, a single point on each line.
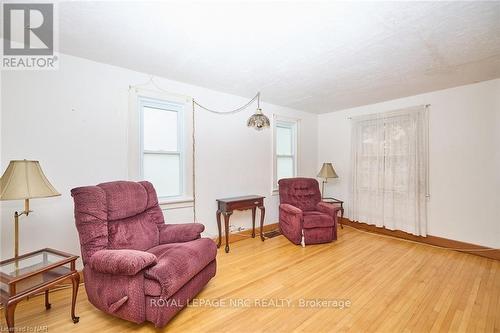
[291, 215]
[291, 222]
[287, 208]
[327, 208]
[179, 233]
[121, 262]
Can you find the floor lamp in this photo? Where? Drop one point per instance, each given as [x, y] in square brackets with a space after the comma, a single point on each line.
[327, 171]
[24, 180]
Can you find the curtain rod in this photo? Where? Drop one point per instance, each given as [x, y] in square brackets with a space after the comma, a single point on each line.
[409, 107]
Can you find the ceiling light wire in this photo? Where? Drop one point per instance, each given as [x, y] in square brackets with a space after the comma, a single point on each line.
[152, 82]
[241, 108]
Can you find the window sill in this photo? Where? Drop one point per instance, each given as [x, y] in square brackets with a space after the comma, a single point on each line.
[181, 202]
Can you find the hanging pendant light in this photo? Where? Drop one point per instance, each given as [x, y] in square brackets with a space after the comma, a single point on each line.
[258, 120]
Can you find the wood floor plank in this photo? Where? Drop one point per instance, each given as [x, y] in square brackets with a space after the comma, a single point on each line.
[393, 286]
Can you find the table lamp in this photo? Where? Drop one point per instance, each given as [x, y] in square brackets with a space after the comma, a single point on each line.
[327, 171]
[24, 180]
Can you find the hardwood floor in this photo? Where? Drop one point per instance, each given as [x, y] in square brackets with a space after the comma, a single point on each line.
[393, 286]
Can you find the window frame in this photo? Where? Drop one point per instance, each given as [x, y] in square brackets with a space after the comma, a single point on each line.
[169, 106]
[294, 125]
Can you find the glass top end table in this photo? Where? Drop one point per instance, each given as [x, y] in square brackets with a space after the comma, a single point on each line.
[331, 200]
[33, 273]
[30, 263]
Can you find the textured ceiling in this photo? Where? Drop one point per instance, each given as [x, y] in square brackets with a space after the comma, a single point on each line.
[313, 56]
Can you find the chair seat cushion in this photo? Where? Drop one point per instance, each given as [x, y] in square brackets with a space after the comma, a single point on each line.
[177, 264]
[315, 219]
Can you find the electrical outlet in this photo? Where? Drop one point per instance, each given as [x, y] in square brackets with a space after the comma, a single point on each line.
[233, 228]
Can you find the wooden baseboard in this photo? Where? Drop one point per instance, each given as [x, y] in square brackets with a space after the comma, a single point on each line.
[245, 234]
[479, 250]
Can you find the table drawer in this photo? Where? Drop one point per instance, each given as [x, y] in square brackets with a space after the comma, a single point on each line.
[247, 204]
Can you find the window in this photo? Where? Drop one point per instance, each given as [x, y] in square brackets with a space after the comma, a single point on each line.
[162, 146]
[285, 150]
[390, 172]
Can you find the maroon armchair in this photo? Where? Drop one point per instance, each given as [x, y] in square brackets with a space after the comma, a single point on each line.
[136, 267]
[303, 218]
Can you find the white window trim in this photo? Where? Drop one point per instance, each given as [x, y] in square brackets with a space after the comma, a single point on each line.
[293, 123]
[135, 144]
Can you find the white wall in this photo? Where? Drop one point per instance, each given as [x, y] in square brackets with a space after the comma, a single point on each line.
[464, 158]
[74, 121]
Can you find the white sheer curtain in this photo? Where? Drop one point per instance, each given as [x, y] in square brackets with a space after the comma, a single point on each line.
[390, 170]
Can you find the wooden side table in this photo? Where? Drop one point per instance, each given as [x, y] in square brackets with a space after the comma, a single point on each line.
[336, 201]
[35, 272]
[228, 205]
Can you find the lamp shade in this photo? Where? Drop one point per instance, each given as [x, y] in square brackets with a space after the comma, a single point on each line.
[327, 171]
[258, 120]
[25, 180]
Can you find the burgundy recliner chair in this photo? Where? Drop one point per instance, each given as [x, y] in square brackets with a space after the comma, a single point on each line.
[303, 218]
[136, 267]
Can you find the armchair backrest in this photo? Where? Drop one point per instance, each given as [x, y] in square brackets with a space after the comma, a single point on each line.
[302, 193]
[117, 215]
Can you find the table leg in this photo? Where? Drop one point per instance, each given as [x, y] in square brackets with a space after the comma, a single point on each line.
[220, 228]
[262, 215]
[341, 216]
[75, 281]
[226, 225]
[9, 316]
[253, 222]
[47, 304]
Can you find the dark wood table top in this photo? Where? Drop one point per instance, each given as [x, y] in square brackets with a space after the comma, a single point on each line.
[242, 198]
